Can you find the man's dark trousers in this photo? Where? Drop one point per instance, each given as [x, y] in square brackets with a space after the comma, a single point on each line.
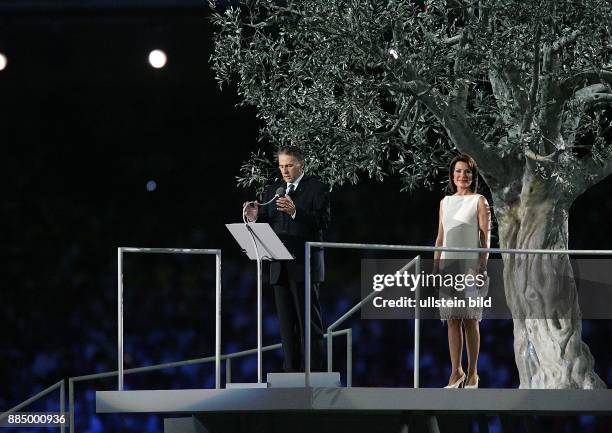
[289, 298]
[311, 199]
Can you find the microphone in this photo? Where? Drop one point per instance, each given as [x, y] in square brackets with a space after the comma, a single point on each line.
[280, 192]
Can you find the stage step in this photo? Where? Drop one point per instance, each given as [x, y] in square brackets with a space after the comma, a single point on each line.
[298, 380]
[239, 385]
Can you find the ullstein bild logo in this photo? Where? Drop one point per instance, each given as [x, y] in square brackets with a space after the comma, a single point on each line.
[431, 302]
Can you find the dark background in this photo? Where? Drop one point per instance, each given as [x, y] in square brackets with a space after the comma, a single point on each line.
[85, 123]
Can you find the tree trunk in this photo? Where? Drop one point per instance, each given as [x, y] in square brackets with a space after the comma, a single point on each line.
[549, 351]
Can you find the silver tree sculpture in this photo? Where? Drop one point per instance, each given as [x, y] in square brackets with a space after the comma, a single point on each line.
[396, 87]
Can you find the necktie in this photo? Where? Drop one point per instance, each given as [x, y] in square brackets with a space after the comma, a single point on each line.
[290, 188]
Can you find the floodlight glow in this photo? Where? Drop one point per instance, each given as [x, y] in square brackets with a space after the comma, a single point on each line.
[158, 59]
[3, 62]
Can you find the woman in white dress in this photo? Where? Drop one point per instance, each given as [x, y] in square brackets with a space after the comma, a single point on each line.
[464, 221]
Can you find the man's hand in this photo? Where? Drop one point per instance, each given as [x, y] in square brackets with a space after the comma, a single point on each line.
[250, 210]
[285, 204]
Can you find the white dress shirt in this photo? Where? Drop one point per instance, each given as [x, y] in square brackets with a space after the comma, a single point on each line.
[295, 184]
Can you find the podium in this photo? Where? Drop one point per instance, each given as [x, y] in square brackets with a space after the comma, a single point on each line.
[259, 242]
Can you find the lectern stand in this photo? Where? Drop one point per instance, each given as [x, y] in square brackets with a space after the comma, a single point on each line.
[260, 243]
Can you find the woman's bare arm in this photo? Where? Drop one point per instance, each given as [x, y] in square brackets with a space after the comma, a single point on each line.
[439, 239]
[484, 230]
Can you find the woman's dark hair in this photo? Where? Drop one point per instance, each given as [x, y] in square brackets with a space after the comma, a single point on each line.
[471, 164]
[294, 151]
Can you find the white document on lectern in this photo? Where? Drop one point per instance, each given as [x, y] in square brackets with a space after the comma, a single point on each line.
[269, 246]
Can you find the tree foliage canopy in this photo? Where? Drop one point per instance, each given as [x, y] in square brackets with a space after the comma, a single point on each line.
[394, 87]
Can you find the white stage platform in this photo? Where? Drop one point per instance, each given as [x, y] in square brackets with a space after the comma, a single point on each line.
[517, 401]
[353, 410]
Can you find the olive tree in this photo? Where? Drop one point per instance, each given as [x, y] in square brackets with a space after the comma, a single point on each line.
[397, 87]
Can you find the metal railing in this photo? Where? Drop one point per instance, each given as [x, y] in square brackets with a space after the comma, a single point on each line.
[217, 254]
[416, 262]
[41, 394]
[226, 357]
[349, 354]
[228, 375]
[217, 358]
[355, 246]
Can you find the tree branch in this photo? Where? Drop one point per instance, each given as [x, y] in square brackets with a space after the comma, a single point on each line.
[498, 171]
[406, 138]
[589, 173]
[453, 40]
[565, 40]
[605, 76]
[513, 76]
[452, 119]
[600, 99]
[460, 94]
[507, 87]
[498, 126]
[594, 94]
[418, 88]
[549, 119]
[535, 81]
[568, 86]
[550, 158]
[400, 120]
[288, 10]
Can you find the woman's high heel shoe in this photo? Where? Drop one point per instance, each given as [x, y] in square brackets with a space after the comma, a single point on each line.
[458, 383]
[466, 386]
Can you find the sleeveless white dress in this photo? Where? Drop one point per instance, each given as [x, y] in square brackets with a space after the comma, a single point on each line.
[460, 223]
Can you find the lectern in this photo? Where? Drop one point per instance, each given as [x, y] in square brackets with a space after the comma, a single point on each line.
[259, 242]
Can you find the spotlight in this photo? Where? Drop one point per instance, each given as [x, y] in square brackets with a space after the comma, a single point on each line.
[158, 59]
[3, 62]
[151, 186]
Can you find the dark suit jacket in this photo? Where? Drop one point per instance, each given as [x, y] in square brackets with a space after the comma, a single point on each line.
[313, 214]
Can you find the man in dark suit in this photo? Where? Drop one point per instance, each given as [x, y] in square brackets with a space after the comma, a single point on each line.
[300, 216]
